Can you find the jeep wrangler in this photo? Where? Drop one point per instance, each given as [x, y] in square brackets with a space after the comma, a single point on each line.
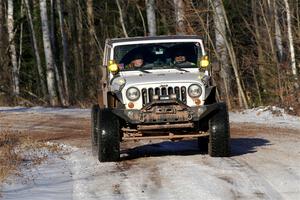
[168, 96]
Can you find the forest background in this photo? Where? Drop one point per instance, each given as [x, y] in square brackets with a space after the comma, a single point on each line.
[51, 50]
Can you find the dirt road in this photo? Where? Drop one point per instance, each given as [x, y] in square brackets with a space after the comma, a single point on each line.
[264, 164]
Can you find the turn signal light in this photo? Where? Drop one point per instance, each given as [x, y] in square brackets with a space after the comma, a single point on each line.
[197, 102]
[130, 105]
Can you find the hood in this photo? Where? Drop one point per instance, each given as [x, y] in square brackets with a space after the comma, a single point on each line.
[142, 78]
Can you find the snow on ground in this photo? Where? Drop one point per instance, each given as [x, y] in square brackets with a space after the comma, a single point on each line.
[52, 179]
[269, 116]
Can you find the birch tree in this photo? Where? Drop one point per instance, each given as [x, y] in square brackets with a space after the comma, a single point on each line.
[278, 35]
[48, 54]
[291, 43]
[151, 18]
[12, 47]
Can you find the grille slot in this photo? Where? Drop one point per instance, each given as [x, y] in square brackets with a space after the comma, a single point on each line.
[147, 93]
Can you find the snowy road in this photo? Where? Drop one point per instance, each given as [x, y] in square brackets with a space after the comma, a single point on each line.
[264, 164]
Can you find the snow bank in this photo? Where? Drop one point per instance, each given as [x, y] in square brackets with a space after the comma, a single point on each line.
[269, 116]
[52, 179]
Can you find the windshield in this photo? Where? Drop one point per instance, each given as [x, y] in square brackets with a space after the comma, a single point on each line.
[157, 56]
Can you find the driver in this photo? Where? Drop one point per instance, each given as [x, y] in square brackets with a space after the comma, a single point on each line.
[181, 59]
[138, 61]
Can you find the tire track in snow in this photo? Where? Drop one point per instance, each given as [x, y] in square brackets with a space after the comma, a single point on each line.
[260, 186]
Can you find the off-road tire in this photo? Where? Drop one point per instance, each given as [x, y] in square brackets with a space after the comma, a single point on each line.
[219, 135]
[94, 134]
[108, 136]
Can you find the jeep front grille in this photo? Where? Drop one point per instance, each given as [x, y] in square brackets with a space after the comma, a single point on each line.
[147, 93]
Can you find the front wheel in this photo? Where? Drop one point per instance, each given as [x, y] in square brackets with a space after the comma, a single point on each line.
[219, 134]
[108, 136]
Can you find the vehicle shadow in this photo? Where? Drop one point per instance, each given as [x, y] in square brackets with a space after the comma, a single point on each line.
[184, 147]
[239, 146]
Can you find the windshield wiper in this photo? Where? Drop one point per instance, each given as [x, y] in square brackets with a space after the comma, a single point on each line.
[175, 66]
[142, 70]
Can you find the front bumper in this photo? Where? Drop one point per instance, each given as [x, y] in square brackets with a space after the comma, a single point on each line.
[167, 111]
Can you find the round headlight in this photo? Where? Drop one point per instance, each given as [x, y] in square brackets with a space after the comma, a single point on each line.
[133, 94]
[195, 90]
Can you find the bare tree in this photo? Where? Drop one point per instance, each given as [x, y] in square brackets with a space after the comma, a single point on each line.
[76, 33]
[36, 50]
[151, 18]
[220, 18]
[121, 18]
[179, 17]
[48, 54]
[53, 30]
[21, 38]
[142, 18]
[12, 47]
[258, 39]
[278, 35]
[55, 53]
[1, 30]
[220, 35]
[90, 14]
[65, 50]
[291, 43]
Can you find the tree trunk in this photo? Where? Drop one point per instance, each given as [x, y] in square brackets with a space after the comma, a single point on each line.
[55, 53]
[142, 18]
[76, 28]
[220, 16]
[36, 50]
[12, 47]
[121, 18]
[279, 56]
[65, 50]
[261, 59]
[278, 35]
[48, 54]
[179, 17]
[291, 43]
[90, 13]
[220, 34]
[21, 38]
[151, 19]
[53, 31]
[1, 31]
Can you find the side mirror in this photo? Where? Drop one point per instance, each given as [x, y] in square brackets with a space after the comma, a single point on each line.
[113, 67]
[204, 62]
